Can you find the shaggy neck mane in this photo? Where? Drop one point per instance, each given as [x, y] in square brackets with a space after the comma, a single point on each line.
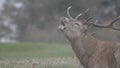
[84, 47]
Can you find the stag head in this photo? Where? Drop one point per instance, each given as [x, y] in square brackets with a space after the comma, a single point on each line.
[71, 27]
[74, 28]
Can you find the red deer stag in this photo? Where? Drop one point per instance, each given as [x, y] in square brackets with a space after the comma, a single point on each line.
[91, 52]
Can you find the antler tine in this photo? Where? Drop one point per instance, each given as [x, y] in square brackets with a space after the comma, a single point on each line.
[86, 22]
[101, 26]
[68, 13]
[116, 19]
[79, 15]
[107, 26]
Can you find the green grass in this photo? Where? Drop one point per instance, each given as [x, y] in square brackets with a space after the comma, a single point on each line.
[34, 50]
[47, 53]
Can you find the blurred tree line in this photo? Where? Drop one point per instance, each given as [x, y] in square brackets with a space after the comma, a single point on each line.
[37, 20]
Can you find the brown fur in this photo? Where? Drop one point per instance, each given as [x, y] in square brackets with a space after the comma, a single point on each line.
[91, 52]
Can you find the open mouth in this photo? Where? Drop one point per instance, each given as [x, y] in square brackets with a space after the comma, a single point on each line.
[61, 27]
[62, 24]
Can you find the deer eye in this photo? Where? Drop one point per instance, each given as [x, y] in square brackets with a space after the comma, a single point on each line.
[77, 24]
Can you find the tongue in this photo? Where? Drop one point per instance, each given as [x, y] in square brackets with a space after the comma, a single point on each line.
[61, 27]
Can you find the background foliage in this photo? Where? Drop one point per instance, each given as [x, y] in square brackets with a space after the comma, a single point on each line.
[37, 20]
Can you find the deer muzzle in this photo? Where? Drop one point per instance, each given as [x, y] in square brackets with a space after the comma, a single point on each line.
[63, 23]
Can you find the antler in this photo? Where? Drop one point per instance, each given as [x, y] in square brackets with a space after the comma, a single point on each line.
[79, 15]
[93, 24]
[107, 26]
[68, 13]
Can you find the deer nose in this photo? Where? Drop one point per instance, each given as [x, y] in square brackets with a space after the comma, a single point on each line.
[64, 20]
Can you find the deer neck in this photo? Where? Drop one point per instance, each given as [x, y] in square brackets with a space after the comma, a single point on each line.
[84, 47]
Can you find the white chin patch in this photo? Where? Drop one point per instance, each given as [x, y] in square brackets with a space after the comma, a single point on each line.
[61, 27]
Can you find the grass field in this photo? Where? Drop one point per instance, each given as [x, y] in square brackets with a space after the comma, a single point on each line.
[25, 55]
